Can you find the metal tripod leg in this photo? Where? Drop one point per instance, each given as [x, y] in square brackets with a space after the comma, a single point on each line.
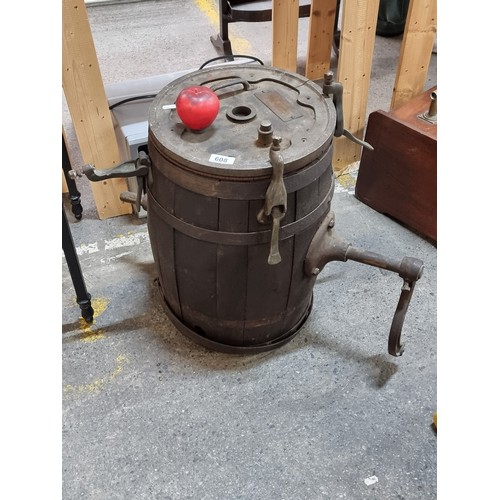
[82, 296]
[74, 194]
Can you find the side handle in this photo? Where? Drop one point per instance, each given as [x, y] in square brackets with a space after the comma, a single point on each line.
[134, 168]
[229, 82]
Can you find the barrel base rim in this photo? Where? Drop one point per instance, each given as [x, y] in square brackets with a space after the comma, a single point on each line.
[228, 348]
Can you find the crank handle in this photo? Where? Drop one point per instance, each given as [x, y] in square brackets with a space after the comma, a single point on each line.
[410, 269]
[394, 345]
[328, 246]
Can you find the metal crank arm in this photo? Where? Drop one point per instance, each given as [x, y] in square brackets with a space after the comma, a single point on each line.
[328, 246]
[408, 268]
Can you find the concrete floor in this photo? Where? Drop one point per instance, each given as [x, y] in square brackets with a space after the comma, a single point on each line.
[147, 414]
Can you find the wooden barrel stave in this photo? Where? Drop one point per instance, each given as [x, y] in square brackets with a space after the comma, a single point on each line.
[227, 293]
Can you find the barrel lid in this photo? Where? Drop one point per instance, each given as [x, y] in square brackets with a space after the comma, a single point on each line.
[298, 111]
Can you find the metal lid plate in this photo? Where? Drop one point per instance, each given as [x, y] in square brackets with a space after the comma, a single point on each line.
[298, 111]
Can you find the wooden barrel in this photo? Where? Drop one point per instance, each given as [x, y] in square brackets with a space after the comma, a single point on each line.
[205, 191]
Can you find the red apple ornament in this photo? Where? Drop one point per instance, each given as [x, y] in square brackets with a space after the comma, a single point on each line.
[197, 107]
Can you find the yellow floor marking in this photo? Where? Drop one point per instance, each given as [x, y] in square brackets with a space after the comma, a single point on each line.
[346, 181]
[88, 334]
[238, 44]
[97, 384]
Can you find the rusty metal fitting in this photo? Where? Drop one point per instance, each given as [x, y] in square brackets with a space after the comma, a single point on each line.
[328, 87]
[431, 115]
[276, 145]
[265, 132]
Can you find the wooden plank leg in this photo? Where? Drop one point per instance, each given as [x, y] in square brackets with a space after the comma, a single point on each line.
[285, 29]
[88, 106]
[416, 51]
[64, 185]
[319, 45]
[357, 40]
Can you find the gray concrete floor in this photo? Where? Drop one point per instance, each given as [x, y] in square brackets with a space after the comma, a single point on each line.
[148, 414]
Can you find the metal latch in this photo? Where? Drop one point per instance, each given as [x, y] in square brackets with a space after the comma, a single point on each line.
[275, 203]
[336, 90]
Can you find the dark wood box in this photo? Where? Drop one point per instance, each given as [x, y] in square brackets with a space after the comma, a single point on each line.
[399, 178]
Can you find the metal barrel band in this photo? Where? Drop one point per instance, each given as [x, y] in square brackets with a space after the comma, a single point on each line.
[228, 348]
[232, 188]
[242, 239]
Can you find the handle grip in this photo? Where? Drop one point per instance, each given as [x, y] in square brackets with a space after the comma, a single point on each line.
[231, 81]
[394, 345]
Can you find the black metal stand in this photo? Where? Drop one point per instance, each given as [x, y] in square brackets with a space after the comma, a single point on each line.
[82, 296]
[74, 194]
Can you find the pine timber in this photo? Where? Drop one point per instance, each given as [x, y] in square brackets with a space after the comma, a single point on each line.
[285, 28]
[88, 106]
[65, 188]
[319, 45]
[416, 51]
[357, 40]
